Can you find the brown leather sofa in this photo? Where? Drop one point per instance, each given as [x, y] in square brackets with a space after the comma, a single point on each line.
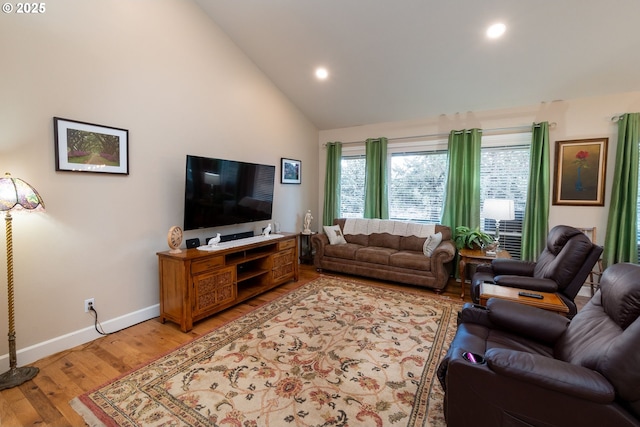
[562, 267]
[385, 256]
[531, 367]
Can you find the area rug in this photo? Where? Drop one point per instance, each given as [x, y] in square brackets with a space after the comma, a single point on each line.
[330, 353]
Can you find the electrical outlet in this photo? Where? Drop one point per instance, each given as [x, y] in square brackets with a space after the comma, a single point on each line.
[89, 303]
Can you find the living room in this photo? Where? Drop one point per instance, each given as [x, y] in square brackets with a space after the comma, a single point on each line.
[166, 73]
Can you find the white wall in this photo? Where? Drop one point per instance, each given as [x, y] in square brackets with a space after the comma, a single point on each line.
[575, 119]
[165, 72]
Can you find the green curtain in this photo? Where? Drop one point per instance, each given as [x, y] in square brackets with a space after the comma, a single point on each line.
[535, 227]
[332, 183]
[376, 200]
[462, 200]
[620, 243]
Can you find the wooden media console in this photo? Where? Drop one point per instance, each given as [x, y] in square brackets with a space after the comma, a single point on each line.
[195, 283]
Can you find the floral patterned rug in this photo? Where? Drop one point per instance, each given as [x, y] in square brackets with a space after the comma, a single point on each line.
[330, 353]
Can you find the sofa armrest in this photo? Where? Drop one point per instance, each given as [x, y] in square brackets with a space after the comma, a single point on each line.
[552, 374]
[512, 267]
[529, 283]
[532, 322]
[318, 242]
[441, 262]
[443, 254]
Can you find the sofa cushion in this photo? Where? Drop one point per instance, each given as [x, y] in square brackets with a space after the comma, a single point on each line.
[345, 251]
[412, 243]
[431, 243]
[375, 255]
[384, 240]
[334, 233]
[358, 239]
[414, 260]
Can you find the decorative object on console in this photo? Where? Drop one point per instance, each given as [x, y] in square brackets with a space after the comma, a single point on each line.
[580, 172]
[193, 243]
[498, 210]
[214, 241]
[307, 222]
[15, 194]
[174, 239]
[267, 230]
[291, 171]
[85, 147]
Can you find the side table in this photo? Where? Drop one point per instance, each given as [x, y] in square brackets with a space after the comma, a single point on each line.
[475, 257]
[306, 250]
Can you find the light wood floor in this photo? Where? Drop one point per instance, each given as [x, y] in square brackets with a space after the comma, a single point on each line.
[44, 401]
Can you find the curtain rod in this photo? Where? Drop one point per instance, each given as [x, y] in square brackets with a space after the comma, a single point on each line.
[442, 135]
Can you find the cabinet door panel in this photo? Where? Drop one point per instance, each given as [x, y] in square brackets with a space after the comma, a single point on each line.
[283, 265]
[213, 289]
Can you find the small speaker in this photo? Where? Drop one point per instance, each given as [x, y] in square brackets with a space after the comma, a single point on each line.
[193, 243]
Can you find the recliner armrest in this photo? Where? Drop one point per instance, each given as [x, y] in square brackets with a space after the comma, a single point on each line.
[552, 374]
[527, 321]
[474, 313]
[529, 283]
[513, 267]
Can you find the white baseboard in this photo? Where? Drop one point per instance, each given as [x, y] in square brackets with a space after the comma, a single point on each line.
[36, 352]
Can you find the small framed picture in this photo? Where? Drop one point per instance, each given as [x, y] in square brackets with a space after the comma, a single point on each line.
[291, 171]
[580, 168]
[85, 147]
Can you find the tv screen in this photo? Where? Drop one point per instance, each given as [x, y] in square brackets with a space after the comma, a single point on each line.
[225, 192]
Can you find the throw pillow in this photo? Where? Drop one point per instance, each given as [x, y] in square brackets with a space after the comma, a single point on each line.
[431, 243]
[334, 234]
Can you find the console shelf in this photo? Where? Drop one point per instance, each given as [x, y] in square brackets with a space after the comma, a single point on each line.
[195, 284]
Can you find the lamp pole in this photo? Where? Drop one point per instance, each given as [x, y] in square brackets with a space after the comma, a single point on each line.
[14, 376]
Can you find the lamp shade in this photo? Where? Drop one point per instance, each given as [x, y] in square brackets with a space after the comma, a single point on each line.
[498, 209]
[17, 194]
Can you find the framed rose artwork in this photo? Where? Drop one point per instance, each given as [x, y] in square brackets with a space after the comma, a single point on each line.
[580, 169]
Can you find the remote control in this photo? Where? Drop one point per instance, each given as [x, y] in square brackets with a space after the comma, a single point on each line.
[530, 295]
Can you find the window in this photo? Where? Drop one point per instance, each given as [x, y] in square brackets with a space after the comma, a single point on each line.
[504, 174]
[352, 186]
[417, 186]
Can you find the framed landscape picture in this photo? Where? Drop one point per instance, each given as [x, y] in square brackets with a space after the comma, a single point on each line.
[85, 147]
[580, 169]
[291, 171]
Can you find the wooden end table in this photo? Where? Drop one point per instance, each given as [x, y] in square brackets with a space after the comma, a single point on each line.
[476, 257]
[549, 301]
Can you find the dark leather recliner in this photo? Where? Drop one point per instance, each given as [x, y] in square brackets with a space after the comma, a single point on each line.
[537, 368]
[562, 267]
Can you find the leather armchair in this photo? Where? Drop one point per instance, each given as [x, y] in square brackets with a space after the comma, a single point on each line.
[537, 368]
[562, 267]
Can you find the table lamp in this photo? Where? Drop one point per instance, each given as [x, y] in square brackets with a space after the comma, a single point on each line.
[498, 210]
[15, 194]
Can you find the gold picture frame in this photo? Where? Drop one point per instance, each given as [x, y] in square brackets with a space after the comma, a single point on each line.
[580, 170]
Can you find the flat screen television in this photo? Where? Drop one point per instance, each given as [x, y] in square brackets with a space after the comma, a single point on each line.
[224, 192]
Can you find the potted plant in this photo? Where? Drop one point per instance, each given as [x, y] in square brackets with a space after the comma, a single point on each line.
[466, 237]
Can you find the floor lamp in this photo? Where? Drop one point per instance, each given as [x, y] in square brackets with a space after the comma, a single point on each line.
[15, 194]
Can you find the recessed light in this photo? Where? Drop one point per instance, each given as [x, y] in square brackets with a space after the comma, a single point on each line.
[496, 30]
[322, 73]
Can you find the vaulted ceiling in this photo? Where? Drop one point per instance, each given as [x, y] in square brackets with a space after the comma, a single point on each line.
[392, 60]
